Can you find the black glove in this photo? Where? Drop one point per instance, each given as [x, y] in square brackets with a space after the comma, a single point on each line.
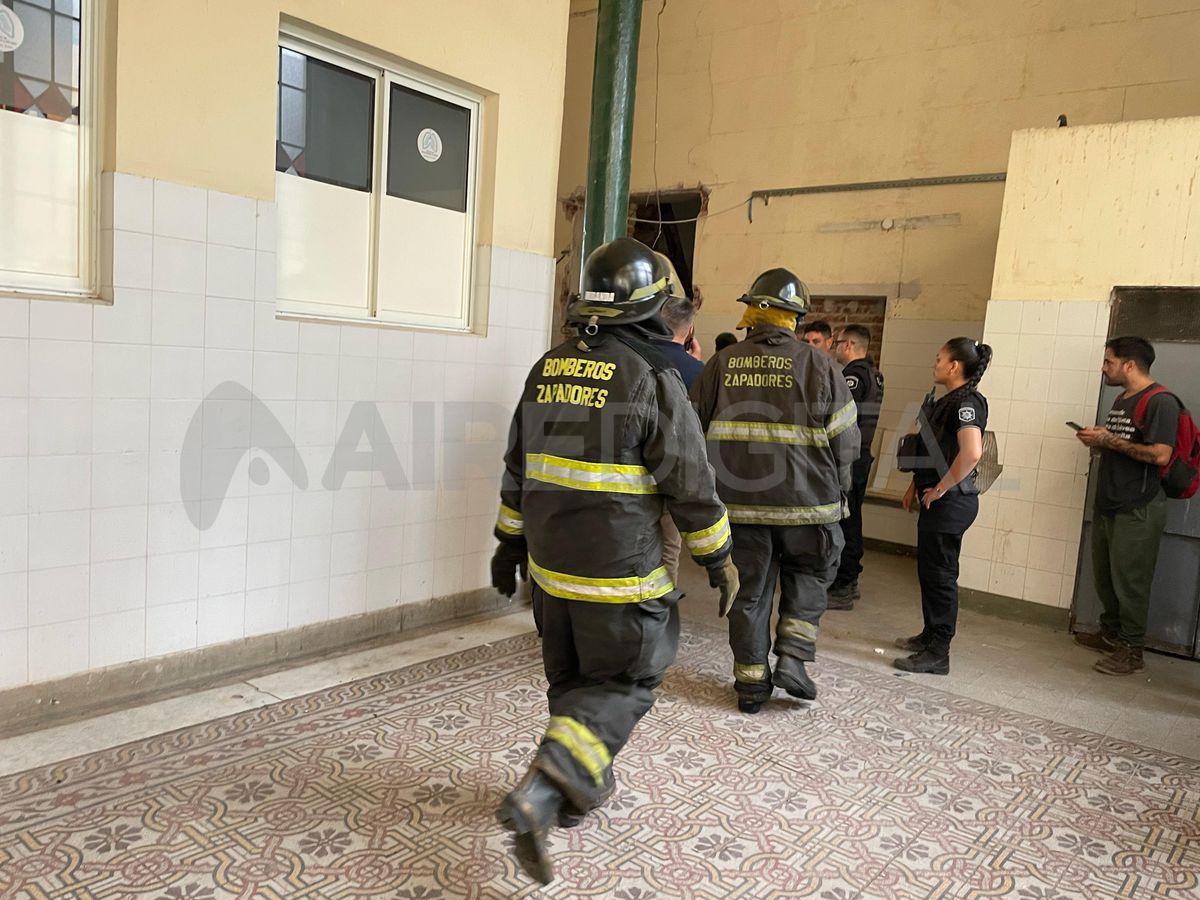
[725, 578]
[507, 559]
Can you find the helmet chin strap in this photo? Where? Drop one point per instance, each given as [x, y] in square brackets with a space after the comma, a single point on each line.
[590, 329]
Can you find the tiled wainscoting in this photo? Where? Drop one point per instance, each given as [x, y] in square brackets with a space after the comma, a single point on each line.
[101, 558]
[1046, 372]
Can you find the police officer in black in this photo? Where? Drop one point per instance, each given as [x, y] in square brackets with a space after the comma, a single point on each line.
[943, 490]
[852, 349]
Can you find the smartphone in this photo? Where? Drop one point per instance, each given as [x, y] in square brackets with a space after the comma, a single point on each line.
[1075, 426]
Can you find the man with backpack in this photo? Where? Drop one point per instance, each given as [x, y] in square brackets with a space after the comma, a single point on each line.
[1137, 445]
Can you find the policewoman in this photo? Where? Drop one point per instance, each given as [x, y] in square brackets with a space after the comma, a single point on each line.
[943, 492]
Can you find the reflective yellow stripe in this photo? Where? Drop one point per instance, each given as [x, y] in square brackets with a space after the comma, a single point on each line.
[797, 628]
[587, 736]
[585, 748]
[589, 476]
[633, 589]
[510, 521]
[842, 419]
[785, 515]
[649, 290]
[710, 540]
[749, 674]
[767, 433]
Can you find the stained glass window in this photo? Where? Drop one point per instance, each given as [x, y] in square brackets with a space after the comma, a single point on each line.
[41, 76]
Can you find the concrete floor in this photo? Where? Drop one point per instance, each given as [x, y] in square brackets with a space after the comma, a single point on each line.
[1031, 669]
[1028, 668]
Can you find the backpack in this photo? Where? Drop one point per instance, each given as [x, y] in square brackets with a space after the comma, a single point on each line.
[1180, 477]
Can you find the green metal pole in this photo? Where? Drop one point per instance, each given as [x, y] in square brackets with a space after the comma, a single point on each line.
[614, 81]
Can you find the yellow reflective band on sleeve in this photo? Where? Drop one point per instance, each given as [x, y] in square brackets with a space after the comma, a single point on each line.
[510, 521]
[633, 589]
[710, 540]
[842, 419]
[785, 515]
[767, 433]
[749, 674]
[612, 478]
[797, 628]
[585, 748]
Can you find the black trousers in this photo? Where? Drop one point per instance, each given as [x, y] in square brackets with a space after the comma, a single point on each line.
[937, 570]
[850, 566]
[803, 558]
[940, 531]
[603, 663]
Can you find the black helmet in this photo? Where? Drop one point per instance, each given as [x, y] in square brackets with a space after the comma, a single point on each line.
[779, 288]
[623, 281]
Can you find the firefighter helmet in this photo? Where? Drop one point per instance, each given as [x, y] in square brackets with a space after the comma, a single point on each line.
[779, 288]
[623, 281]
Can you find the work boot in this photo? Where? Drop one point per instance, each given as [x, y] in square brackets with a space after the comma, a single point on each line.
[749, 705]
[914, 644]
[925, 662]
[842, 596]
[570, 815]
[1099, 641]
[529, 811]
[1125, 660]
[790, 675]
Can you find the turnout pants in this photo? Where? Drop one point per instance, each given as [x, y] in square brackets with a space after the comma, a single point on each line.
[1124, 554]
[850, 566]
[603, 663]
[804, 559]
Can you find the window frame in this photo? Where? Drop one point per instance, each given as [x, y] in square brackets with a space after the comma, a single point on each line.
[85, 284]
[386, 71]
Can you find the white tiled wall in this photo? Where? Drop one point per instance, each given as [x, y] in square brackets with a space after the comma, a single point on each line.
[1046, 371]
[99, 562]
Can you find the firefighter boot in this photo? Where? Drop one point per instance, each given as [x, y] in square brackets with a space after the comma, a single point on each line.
[790, 675]
[570, 815]
[529, 812]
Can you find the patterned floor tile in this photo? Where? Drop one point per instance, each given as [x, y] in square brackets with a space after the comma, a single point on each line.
[386, 787]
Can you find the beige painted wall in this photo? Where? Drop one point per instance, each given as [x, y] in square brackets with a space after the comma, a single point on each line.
[196, 88]
[1085, 209]
[1092, 208]
[776, 93]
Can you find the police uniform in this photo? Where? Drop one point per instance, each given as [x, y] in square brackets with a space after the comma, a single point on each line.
[866, 387]
[602, 441]
[941, 527]
[780, 423]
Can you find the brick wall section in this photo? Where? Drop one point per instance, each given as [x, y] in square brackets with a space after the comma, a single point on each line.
[840, 311]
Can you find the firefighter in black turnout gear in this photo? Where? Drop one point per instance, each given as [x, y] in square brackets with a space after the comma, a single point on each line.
[852, 350]
[604, 438]
[782, 437]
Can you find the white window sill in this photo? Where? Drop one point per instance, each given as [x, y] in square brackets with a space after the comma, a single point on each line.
[93, 297]
[363, 321]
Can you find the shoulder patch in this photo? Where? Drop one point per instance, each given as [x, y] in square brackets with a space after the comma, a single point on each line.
[966, 414]
[852, 381]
